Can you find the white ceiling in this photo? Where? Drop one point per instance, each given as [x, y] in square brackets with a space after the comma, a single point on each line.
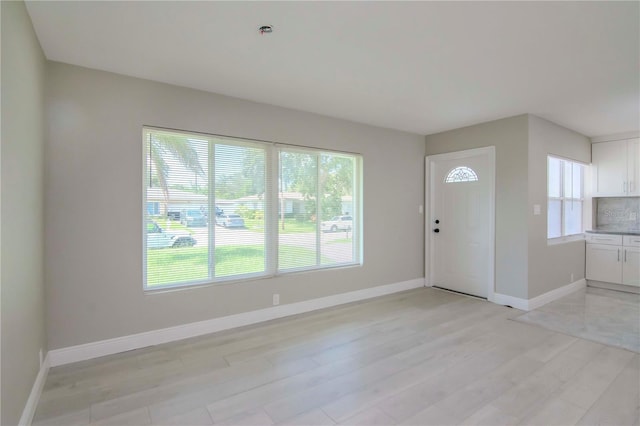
[422, 67]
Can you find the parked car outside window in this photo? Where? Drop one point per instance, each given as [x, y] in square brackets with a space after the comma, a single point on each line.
[159, 238]
[173, 215]
[193, 217]
[230, 221]
[337, 223]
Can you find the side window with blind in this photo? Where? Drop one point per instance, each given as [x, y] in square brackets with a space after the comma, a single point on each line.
[217, 210]
[565, 191]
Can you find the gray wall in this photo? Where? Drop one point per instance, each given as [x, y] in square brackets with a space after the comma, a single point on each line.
[526, 266]
[550, 267]
[23, 329]
[94, 203]
[509, 136]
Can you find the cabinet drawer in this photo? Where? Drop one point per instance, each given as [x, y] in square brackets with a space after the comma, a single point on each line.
[615, 240]
[631, 240]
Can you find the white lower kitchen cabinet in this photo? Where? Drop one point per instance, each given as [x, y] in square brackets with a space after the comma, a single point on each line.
[612, 259]
[631, 266]
[603, 263]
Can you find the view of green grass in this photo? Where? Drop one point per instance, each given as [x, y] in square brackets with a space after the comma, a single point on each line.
[175, 265]
[256, 225]
[292, 226]
[295, 257]
[171, 265]
[234, 260]
[339, 241]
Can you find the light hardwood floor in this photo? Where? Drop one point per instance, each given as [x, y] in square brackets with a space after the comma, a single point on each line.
[414, 358]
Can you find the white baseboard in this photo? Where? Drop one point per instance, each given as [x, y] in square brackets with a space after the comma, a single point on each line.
[32, 402]
[543, 299]
[613, 286]
[165, 335]
[514, 302]
[556, 294]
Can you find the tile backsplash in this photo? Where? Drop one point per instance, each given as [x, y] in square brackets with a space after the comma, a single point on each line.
[622, 211]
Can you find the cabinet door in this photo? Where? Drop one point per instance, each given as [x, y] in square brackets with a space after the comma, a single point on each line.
[604, 263]
[633, 167]
[609, 172]
[631, 266]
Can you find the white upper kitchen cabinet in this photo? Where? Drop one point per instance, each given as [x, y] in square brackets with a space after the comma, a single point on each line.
[616, 168]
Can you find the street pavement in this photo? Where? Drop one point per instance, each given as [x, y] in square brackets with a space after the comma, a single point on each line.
[337, 251]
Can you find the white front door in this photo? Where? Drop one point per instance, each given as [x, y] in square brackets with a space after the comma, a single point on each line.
[460, 223]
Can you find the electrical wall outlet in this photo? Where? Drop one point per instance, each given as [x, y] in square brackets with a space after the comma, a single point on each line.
[571, 278]
[41, 359]
[276, 299]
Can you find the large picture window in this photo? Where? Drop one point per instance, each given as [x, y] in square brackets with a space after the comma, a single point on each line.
[565, 190]
[219, 209]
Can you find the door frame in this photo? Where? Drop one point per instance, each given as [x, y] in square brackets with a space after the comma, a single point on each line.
[490, 153]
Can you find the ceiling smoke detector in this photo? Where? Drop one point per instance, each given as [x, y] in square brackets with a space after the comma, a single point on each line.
[265, 29]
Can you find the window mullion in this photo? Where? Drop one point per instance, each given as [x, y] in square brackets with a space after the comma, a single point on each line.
[212, 210]
[562, 199]
[272, 169]
[356, 213]
[318, 210]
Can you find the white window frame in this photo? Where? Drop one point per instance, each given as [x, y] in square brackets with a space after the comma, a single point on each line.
[272, 169]
[564, 238]
[356, 231]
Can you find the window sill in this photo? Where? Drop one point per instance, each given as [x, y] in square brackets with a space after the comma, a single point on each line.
[242, 279]
[563, 240]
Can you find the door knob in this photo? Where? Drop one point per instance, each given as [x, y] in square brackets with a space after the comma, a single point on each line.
[436, 230]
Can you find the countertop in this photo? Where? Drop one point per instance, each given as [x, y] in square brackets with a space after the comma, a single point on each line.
[616, 230]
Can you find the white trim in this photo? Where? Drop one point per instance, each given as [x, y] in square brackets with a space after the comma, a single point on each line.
[616, 137]
[556, 294]
[514, 302]
[566, 239]
[428, 209]
[170, 334]
[543, 299]
[613, 286]
[36, 391]
[490, 152]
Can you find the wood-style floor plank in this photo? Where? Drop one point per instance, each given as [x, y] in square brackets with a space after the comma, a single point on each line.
[420, 357]
[612, 407]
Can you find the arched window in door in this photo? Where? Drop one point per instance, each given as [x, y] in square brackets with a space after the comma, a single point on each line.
[461, 174]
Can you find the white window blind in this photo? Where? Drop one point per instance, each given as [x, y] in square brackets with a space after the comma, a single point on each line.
[317, 200]
[240, 182]
[218, 208]
[565, 190]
